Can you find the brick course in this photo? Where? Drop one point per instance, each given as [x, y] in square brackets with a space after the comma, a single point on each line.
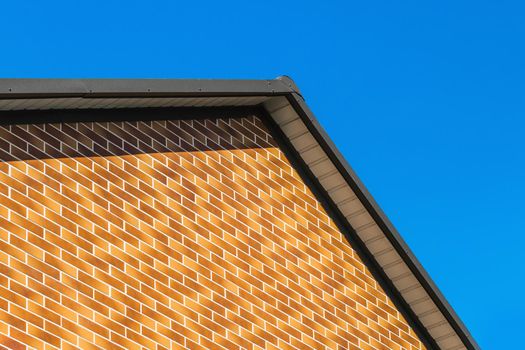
[175, 234]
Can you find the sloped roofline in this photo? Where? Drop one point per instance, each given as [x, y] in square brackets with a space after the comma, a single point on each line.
[15, 89]
[386, 225]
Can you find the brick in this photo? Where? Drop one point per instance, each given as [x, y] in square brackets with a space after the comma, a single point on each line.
[171, 234]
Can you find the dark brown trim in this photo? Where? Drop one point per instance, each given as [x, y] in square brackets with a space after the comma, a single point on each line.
[382, 221]
[92, 88]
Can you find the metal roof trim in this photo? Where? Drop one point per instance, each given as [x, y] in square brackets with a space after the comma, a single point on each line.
[299, 104]
[92, 88]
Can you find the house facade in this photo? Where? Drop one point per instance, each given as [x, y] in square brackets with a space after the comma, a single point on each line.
[196, 214]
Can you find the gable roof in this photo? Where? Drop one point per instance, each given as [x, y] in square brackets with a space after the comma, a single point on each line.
[403, 277]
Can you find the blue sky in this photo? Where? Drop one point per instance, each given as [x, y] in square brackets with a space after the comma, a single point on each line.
[425, 100]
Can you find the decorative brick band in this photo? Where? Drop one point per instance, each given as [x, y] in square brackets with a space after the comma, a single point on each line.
[174, 234]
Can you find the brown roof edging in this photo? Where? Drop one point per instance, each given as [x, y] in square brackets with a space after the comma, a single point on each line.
[381, 219]
[93, 88]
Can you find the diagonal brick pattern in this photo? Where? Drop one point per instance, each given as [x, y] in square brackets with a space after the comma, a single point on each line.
[178, 234]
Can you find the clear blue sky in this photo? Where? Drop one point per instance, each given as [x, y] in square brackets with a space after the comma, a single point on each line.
[426, 99]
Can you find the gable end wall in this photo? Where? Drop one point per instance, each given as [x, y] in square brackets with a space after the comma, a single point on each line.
[175, 234]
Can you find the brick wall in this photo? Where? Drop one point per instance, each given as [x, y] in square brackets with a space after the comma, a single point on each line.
[175, 234]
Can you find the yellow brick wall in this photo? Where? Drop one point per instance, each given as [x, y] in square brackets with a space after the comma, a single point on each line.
[179, 234]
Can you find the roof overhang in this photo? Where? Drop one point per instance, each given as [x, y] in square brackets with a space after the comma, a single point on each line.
[424, 304]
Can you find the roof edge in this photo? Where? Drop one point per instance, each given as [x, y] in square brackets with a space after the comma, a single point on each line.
[297, 101]
[287, 80]
[43, 88]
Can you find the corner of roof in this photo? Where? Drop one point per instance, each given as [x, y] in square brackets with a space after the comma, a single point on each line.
[290, 83]
[299, 104]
